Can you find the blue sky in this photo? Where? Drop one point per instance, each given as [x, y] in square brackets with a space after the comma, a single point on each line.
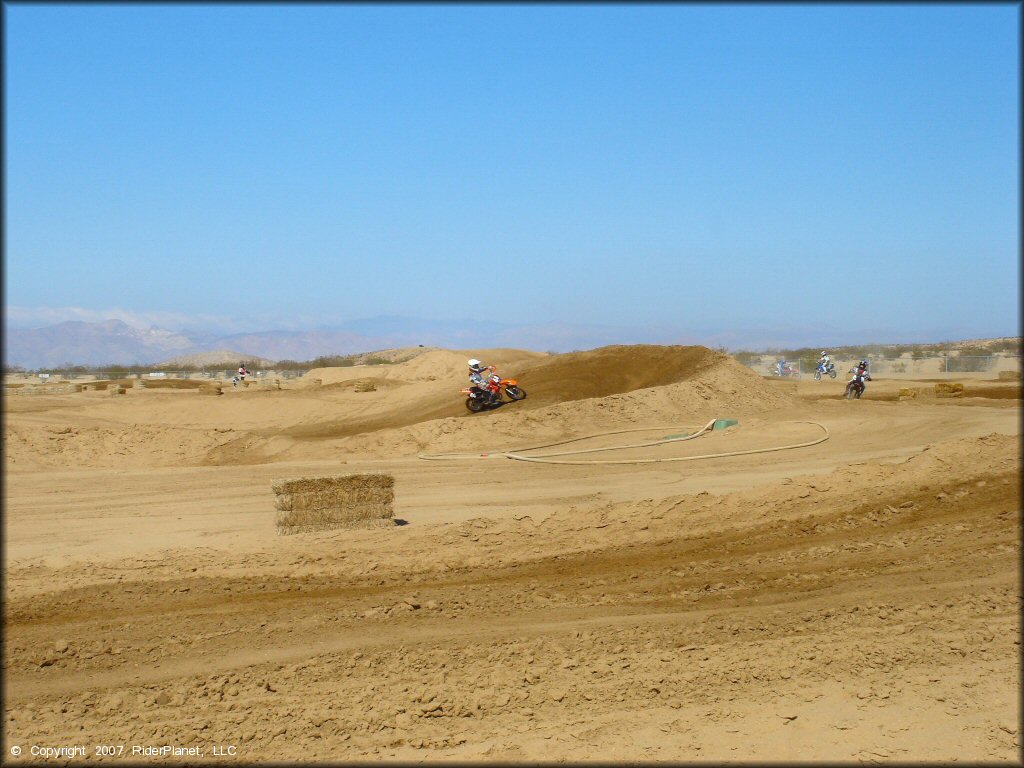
[701, 167]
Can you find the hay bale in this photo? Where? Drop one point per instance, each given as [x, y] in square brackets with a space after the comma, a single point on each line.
[907, 393]
[118, 390]
[365, 386]
[1009, 376]
[210, 389]
[952, 389]
[343, 501]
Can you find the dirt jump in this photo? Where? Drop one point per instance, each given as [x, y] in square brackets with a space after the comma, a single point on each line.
[710, 566]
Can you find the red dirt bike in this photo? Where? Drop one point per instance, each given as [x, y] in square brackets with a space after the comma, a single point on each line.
[855, 387]
[788, 371]
[478, 399]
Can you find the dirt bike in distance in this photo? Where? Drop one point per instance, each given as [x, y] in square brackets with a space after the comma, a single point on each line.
[786, 371]
[828, 371]
[477, 398]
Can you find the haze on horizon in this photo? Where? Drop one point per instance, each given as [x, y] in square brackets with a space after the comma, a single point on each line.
[702, 169]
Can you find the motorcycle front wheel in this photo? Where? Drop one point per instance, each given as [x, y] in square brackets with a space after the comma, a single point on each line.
[516, 393]
[817, 375]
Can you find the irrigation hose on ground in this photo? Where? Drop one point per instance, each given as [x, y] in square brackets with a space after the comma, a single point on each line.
[545, 458]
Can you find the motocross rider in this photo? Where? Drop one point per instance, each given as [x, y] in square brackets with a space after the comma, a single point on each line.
[480, 376]
[860, 376]
[823, 361]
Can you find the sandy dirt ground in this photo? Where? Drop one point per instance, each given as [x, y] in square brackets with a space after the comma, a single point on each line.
[857, 600]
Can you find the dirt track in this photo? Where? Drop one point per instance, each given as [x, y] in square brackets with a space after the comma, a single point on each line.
[858, 600]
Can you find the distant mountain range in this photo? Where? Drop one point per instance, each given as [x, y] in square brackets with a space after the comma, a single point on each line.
[113, 341]
[116, 342]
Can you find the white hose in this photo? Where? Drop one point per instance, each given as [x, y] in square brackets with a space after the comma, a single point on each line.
[515, 454]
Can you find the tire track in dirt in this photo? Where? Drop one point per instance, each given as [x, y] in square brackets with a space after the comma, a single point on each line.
[795, 561]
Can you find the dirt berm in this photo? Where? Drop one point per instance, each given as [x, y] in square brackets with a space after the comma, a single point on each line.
[604, 389]
[549, 381]
[613, 370]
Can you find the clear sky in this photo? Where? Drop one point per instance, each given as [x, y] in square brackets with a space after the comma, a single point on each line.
[694, 166]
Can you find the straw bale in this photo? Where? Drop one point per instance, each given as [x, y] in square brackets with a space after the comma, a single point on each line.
[952, 389]
[329, 519]
[118, 390]
[210, 389]
[907, 393]
[344, 501]
[1009, 376]
[103, 384]
[364, 486]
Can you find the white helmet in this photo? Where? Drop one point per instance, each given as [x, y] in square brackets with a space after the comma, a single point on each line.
[475, 364]
[823, 353]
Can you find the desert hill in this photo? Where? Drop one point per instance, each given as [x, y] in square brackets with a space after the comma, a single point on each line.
[607, 388]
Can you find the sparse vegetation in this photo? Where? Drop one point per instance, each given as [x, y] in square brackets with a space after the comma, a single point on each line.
[1011, 345]
[333, 361]
[330, 361]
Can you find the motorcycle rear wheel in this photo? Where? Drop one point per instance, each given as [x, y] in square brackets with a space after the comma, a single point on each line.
[832, 374]
[474, 404]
